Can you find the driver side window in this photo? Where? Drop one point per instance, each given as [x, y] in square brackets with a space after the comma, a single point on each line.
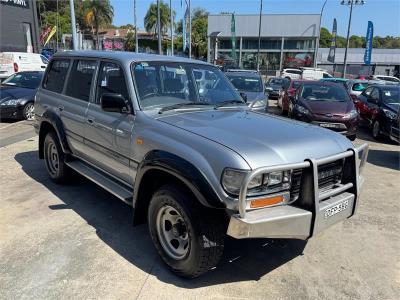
[374, 95]
[111, 80]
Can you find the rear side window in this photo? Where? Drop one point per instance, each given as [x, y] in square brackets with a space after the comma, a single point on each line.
[56, 76]
[80, 79]
[111, 80]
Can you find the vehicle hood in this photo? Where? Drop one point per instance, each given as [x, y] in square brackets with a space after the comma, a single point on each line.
[392, 106]
[328, 107]
[14, 92]
[262, 140]
[253, 96]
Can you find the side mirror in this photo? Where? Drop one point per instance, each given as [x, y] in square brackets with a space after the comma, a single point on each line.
[114, 103]
[244, 96]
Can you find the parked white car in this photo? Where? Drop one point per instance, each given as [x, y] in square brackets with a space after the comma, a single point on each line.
[291, 74]
[13, 62]
[386, 78]
[314, 74]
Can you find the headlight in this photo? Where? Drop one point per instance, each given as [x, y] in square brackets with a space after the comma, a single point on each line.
[352, 114]
[302, 109]
[269, 89]
[257, 104]
[389, 114]
[12, 102]
[264, 183]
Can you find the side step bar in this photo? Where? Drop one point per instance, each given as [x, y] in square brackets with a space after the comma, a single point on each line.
[101, 179]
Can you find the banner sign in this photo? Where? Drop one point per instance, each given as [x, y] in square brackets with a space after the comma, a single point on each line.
[233, 37]
[332, 50]
[368, 43]
[185, 32]
[19, 3]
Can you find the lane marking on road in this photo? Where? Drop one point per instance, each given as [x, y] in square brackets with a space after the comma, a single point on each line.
[9, 125]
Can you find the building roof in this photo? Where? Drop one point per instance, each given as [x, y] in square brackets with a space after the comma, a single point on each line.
[127, 57]
[356, 56]
[277, 25]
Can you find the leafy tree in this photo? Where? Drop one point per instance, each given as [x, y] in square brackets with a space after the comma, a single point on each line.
[325, 38]
[98, 13]
[127, 26]
[150, 19]
[130, 40]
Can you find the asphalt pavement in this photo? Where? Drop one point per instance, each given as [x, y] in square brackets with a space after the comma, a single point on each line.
[76, 241]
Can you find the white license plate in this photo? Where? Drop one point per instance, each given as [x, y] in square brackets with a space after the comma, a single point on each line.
[329, 212]
[328, 125]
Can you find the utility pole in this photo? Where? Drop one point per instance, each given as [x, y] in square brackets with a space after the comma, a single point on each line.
[159, 27]
[136, 28]
[319, 34]
[57, 26]
[259, 36]
[349, 3]
[73, 25]
[171, 27]
[190, 30]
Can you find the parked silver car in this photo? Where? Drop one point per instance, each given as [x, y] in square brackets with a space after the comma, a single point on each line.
[195, 165]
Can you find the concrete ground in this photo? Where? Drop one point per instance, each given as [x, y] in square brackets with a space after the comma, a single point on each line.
[77, 242]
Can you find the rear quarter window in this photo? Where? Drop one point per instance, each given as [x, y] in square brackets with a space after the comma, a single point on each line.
[80, 79]
[55, 77]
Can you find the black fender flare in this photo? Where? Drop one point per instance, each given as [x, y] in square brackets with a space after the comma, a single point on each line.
[183, 170]
[50, 117]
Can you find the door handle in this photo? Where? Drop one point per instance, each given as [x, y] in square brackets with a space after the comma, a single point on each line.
[60, 108]
[90, 120]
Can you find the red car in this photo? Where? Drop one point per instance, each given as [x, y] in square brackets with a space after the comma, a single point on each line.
[283, 101]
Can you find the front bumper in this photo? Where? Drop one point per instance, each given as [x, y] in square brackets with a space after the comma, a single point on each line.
[11, 112]
[306, 216]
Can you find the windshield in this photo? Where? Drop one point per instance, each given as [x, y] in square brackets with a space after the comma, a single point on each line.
[25, 80]
[246, 83]
[324, 93]
[276, 81]
[391, 95]
[359, 87]
[162, 84]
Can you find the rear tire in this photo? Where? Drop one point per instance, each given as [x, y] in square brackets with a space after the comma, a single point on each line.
[54, 159]
[188, 237]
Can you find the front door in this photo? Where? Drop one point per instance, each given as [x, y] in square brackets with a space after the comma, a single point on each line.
[108, 134]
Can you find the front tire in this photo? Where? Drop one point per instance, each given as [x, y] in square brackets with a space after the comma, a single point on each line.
[28, 112]
[188, 237]
[54, 159]
[376, 130]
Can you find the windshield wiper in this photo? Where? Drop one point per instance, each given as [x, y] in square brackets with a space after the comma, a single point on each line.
[223, 103]
[179, 105]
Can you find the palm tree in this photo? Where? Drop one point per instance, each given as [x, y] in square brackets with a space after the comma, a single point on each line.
[98, 12]
[150, 20]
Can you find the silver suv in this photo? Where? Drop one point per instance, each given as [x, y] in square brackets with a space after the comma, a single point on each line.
[191, 158]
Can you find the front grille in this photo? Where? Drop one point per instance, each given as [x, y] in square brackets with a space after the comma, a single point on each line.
[296, 184]
[330, 174]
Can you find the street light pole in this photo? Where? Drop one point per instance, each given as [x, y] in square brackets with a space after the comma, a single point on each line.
[171, 27]
[319, 35]
[73, 25]
[259, 37]
[190, 31]
[159, 27]
[135, 20]
[350, 3]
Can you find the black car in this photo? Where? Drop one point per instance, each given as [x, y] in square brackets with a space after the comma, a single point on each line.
[17, 95]
[379, 106]
[275, 86]
[250, 84]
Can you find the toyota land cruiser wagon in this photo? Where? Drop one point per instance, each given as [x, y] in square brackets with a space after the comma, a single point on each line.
[192, 159]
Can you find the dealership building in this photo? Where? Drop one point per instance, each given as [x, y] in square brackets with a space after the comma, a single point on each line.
[287, 40]
[19, 26]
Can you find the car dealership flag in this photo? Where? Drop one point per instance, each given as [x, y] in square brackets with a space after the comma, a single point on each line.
[368, 43]
[52, 32]
[233, 37]
[332, 50]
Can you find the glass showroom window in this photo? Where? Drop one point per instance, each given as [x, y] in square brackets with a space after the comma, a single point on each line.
[226, 60]
[270, 61]
[252, 43]
[303, 44]
[227, 43]
[298, 59]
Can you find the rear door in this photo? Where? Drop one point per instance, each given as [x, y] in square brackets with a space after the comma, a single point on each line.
[75, 101]
[108, 134]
